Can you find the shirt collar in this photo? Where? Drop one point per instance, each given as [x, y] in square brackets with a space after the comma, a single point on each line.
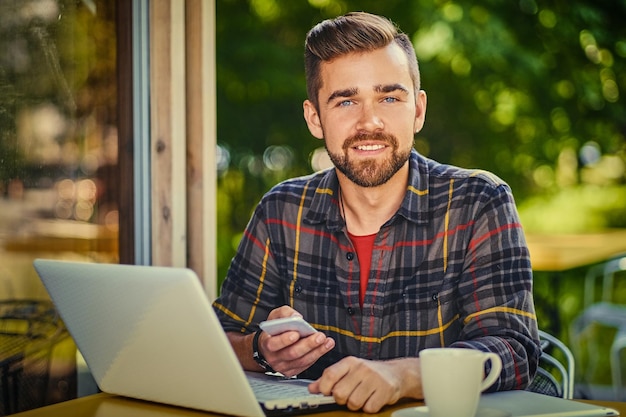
[416, 203]
[325, 205]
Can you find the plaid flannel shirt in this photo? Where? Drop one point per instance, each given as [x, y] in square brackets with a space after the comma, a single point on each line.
[450, 268]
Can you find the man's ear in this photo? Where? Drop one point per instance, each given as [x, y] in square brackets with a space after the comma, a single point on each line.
[420, 111]
[312, 118]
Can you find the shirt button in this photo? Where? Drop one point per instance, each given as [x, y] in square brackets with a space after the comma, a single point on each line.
[435, 296]
[298, 289]
[350, 311]
[349, 256]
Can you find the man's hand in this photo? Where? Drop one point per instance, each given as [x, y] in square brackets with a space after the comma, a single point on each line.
[289, 354]
[370, 385]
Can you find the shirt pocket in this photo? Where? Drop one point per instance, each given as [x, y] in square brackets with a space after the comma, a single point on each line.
[317, 301]
[424, 307]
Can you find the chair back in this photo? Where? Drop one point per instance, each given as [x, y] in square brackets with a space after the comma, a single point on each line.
[606, 271]
[608, 312]
[554, 376]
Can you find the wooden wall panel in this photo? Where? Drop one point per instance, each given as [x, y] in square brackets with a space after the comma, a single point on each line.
[201, 142]
[168, 132]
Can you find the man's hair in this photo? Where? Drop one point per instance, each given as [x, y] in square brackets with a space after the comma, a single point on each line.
[350, 33]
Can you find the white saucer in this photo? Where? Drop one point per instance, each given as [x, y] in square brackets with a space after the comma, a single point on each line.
[423, 412]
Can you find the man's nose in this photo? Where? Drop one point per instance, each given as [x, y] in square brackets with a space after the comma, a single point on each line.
[369, 120]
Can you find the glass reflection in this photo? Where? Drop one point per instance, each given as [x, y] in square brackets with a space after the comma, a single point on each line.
[59, 180]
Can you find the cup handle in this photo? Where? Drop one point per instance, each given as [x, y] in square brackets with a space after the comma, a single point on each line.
[494, 373]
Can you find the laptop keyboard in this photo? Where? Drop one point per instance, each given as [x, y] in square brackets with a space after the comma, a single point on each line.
[282, 388]
[278, 393]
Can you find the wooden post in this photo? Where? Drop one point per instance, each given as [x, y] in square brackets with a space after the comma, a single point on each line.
[168, 132]
[201, 142]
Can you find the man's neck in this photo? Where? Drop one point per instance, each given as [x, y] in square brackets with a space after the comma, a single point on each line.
[366, 209]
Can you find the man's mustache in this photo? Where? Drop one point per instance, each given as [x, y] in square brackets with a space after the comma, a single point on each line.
[363, 137]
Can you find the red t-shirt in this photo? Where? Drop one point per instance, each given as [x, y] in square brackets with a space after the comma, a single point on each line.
[364, 246]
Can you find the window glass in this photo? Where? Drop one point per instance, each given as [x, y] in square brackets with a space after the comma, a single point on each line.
[59, 179]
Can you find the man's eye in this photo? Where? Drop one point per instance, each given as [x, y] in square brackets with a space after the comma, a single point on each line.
[390, 99]
[344, 103]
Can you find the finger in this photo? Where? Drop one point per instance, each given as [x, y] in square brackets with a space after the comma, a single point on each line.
[302, 345]
[299, 362]
[376, 390]
[368, 394]
[352, 389]
[280, 342]
[375, 402]
[300, 355]
[327, 383]
[311, 347]
[281, 312]
[358, 397]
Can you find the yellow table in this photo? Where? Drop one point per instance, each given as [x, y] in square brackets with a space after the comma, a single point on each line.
[107, 405]
[560, 252]
[556, 253]
[65, 236]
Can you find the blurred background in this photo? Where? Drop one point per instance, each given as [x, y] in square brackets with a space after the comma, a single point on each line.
[531, 90]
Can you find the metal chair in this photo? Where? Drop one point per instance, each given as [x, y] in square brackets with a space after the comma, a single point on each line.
[29, 330]
[553, 377]
[606, 313]
[607, 272]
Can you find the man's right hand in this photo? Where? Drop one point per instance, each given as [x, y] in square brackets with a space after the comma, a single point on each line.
[287, 352]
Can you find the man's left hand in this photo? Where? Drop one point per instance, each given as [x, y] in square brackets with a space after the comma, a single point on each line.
[370, 385]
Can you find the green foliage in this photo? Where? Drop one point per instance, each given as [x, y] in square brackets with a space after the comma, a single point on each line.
[59, 57]
[515, 87]
[576, 210]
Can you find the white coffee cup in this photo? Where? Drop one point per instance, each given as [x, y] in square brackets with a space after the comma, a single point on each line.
[453, 378]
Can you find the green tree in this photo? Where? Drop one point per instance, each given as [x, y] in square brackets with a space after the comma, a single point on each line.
[519, 88]
[60, 55]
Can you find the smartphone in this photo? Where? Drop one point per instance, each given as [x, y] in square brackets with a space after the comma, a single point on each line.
[294, 323]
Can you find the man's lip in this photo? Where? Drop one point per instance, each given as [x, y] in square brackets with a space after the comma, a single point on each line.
[374, 145]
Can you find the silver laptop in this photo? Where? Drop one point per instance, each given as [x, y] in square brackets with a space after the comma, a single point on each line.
[530, 404]
[522, 404]
[150, 333]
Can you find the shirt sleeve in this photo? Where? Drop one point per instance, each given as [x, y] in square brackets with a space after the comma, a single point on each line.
[495, 292]
[250, 290]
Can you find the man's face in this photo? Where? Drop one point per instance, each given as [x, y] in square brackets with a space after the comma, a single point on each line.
[368, 114]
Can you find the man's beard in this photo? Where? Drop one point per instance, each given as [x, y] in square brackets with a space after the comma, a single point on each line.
[368, 172]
